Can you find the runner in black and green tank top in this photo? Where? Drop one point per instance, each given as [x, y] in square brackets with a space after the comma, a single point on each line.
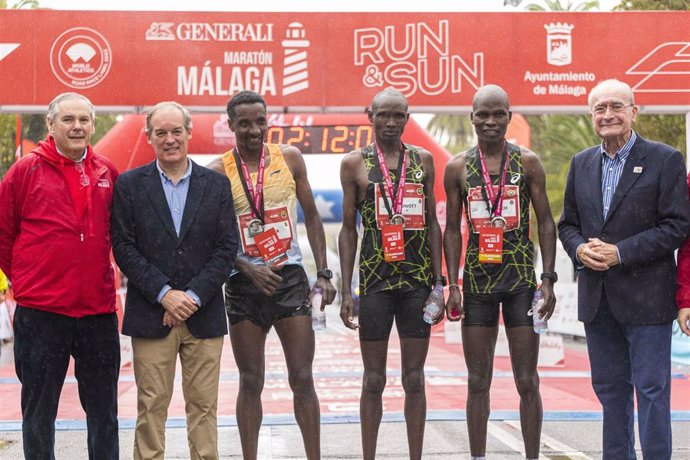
[496, 182]
[374, 273]
[400, 255]
[517, 270]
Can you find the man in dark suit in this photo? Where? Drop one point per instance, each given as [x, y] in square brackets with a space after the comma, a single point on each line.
[625, 212]
[175, 238]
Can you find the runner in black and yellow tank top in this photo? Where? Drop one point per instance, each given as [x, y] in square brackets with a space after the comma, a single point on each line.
[496, 182]
[270, 288]
[391, 184]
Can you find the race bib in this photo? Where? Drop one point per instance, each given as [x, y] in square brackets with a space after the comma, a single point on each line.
[393, 243]
[270, 248]
[413, 208]
[277, 219]
[491, 245]
[479, 214]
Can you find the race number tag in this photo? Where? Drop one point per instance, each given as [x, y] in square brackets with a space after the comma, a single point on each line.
[510, 211]
[491, 245]
[413, 207]
[393, 243]
[277, 219]
[271, 248]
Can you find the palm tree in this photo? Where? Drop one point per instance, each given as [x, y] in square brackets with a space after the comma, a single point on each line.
[556, 5]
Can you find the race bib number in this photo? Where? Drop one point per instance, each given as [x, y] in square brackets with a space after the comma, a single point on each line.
[277, 219]
[270, 248]
[479, 214]
[393, 243]
[413, 207]
[491, 245]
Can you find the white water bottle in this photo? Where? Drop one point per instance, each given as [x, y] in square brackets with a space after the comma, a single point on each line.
[436, 305]
[540, 326]
[318, 317]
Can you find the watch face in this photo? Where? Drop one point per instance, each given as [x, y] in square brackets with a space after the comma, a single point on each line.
[326, 273]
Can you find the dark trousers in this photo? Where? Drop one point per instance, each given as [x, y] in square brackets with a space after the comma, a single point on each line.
[627, 358]
[43, 344]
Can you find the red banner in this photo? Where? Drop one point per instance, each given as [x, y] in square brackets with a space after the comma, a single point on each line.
[313, 61]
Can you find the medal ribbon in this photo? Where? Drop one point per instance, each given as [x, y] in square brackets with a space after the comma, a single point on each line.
[494, 201]
[255, 196]
[396, 191]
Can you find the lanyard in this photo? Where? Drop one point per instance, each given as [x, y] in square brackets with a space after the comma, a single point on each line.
[494, 201]
[395, 192]
[254, 195]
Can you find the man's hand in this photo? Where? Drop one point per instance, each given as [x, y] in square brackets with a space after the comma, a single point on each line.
[169, 321]
[180, 305]
[607, 250]
[347, 312]
[328, 291]
[263, 278]
[591, 258]
[549, 298]
[438, 300]
[454, 310]
[684, 320]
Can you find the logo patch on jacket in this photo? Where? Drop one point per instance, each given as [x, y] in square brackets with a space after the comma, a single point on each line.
[104, 183]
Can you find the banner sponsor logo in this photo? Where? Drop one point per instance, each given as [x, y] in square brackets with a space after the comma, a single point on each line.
[665, 69]
[559, 43]
[6, 49]
[80, 58]
[210, 32]
[415, 58]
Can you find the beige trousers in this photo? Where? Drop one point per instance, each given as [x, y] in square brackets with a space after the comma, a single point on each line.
[154, 372]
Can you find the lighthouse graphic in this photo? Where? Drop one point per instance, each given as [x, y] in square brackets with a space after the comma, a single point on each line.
[295, 71]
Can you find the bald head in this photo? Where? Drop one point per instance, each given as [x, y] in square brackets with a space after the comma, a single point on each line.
[388, 95]
[493, 93]
[611, 86]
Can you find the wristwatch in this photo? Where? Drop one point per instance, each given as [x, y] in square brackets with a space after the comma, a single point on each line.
[325, 273]
[440, 279]
[553, 276]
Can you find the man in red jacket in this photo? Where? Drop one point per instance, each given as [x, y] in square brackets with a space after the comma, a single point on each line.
[54, 248]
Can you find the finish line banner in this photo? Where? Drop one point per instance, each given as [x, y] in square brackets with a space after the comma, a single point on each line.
[338, 61]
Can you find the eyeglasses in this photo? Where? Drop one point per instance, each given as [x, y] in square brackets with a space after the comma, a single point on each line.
[83, 178]
[615, 107]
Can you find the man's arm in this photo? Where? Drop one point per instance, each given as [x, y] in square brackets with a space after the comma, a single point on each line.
[569, 228]
[312, 219]
[434, 230]
[673, 211]
[683, 289]
[454, 184]
[536, 181]
[148, 279]
[347, 240]
[210, 278]
[9, 219]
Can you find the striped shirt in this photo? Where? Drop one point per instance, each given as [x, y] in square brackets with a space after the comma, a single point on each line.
[611, 171]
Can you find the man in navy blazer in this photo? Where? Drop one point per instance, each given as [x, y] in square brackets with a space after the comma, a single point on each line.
[175, 238]
[625, 213]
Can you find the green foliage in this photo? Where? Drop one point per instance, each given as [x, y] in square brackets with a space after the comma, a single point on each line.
[454, 131]
[632, 5]
[7, 136]
[556, 5]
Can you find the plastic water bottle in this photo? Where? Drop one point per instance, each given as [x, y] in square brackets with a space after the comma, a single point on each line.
[540, 325]
[318, 317]
[436, 305]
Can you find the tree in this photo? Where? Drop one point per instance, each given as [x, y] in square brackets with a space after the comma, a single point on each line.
[637, 5]
[455, 131]
[556, 5]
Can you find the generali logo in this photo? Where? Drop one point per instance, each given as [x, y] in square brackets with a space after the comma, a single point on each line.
[80, 58]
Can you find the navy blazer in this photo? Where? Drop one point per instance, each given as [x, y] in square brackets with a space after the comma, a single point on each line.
[648, 219]
[151, 255]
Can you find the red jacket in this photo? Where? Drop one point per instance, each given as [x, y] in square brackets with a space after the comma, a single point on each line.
[683, 273]
[57, 261]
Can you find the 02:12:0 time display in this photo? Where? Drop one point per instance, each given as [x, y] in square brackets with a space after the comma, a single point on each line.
[322, 139]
